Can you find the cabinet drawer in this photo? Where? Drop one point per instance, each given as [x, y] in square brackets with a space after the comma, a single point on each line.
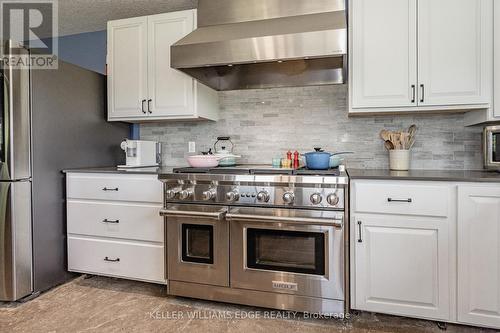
[403, 198]
[138, 188]
[116, 258]
[118, 220]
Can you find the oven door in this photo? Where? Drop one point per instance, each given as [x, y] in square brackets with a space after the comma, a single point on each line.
[198, 244]
[297, 252]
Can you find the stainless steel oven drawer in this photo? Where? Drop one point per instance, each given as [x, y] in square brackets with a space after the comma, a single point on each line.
[198, 244]
[290, 251]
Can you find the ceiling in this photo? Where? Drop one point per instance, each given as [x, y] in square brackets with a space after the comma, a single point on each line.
[77, 16]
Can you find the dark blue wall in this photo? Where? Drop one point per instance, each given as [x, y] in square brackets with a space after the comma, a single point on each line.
[87, 50]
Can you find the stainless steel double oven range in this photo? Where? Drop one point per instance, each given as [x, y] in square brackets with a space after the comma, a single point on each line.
[253, 235]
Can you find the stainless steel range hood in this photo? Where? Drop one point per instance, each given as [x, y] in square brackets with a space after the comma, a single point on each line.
[243, 44]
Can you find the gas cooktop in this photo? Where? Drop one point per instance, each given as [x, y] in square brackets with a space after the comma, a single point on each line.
[259, 169]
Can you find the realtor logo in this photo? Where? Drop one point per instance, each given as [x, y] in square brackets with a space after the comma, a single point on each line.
[34, 24]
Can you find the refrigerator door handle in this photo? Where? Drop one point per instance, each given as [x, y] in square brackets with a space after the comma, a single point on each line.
[5, 110]
[16, 123]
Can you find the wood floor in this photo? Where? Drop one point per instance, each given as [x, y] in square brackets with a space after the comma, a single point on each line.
[100, 304]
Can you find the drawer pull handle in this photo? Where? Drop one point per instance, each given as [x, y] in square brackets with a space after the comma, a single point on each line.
[110, 189]
[111, 221]
[111, 260]
[360, 239]
[409, 200]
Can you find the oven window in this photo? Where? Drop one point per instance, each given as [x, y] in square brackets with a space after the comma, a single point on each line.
[496, 147]
[197, 243]
[286, 251]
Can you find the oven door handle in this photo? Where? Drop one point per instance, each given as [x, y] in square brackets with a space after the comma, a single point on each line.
[220, 215]
[331, 222]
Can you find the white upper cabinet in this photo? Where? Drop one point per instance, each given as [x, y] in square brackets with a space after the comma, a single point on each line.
[420, 55]
[127, 67]
[492, 113]
[384, 53]
[141, 84]
[479, 255]
[454, 52]
[167, 98]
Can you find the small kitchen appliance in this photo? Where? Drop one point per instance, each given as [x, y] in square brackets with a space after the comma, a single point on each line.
[141, 153]
[491, 145]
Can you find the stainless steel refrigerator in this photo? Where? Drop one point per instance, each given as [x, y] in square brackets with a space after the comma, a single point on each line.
[50, 120]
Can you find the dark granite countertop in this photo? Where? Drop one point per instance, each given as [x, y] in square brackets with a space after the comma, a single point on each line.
[383, 174]
[427, 175]
[136, 171]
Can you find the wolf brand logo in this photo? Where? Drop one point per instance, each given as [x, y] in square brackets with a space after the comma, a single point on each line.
[285, 285]
[31, 23]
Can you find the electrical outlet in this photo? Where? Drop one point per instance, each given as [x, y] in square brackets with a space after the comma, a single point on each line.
[192, 147]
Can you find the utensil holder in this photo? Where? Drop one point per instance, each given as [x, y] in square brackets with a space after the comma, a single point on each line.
[399, 159]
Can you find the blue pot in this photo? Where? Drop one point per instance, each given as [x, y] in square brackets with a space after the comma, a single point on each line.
[318, 160]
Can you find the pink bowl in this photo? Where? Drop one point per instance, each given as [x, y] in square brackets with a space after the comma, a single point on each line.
[203, 161]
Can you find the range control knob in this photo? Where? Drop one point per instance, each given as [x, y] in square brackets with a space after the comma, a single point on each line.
[232, 196]
[209, 195]
[171, 194]
[263, 196]
[333, 199]
[316, 198]
[185, 194]
[288, 197]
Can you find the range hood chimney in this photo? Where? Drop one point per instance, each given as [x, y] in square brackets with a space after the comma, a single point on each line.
[247, 44]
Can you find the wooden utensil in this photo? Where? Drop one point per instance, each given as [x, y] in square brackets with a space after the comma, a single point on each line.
[412, 131]
[385, 135]
[388, 144]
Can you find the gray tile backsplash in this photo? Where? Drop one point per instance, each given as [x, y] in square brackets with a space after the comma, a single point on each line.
[267, 123]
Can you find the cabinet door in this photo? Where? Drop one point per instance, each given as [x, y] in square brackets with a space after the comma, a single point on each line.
[383, 50]
[479, 255]
[455, 52]
[127, 68]
[170, 91]
[402, 265]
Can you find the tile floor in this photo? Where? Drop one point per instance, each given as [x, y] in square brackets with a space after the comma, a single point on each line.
[99, 304]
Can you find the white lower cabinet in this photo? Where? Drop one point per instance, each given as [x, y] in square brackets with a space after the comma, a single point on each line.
[479, 255]
[413, 259]
[403, 265]
[118, 258]
[402, 258]
[114, 226]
